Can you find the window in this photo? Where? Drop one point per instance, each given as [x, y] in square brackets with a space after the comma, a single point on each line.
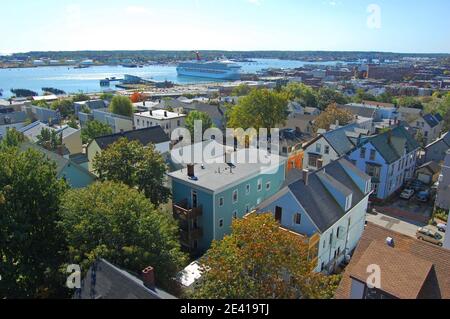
[338, 232]
[247, 208]
[363, 152]
[178, 123]
[235, 215]
[318, 148]
[221, 223]
[373, 170]
[235, 197]
[373, 155]
[327, 149]
[221, 201]
[259, 185]
[284, 150]
[247, 189]
[297, 219]
[313, 160]
[138, 122]
[268, 186]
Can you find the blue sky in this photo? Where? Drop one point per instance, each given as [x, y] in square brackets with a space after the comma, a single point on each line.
[345, 25]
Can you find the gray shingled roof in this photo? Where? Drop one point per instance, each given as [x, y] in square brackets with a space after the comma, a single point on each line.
[106, 281]
[339, 140]
[317, 201]
[145, 136]
[391, 145]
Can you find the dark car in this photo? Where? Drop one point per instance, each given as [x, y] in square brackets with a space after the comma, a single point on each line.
[423, 196]
[417, 185]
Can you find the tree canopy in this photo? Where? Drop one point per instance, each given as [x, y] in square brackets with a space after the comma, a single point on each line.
[121, 105]
[198, 116]
[94, 129]
[301, 93]
[65, 107]
[12, 138]
[134, 165]
[327, 96]
[112, 221]
[331, 115]
[261, 108]
[49, 139]
[241, 90]
[32, 249]
[255, 262]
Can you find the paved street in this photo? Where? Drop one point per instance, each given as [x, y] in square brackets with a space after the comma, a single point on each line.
[408, 228]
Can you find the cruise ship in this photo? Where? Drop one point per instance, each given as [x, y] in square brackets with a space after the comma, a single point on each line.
[220, 69]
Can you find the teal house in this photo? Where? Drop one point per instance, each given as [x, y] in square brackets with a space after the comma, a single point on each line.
[207, 197]
[75, 175]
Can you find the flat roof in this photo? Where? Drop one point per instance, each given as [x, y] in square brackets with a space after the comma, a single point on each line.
[160, 114]
[215, 176]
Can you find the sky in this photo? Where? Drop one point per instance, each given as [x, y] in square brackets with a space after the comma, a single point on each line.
[409, 26]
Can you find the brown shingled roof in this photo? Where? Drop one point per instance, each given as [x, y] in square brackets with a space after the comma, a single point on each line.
[413, 268]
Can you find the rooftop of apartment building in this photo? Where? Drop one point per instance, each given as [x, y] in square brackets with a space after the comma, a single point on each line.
[229, 169]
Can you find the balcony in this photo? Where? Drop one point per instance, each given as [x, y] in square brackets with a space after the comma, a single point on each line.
[187, 237]
[182, 210]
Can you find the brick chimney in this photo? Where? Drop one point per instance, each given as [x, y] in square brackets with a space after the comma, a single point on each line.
[191, 170]
[148, 277]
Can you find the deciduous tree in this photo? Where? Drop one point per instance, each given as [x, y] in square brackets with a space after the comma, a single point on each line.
[261, 108]
[94, 129]
[259, 260]
[112, 221]
[134, 165]
[198, 116]
[332, 115]
[121, 105]
[31, 247]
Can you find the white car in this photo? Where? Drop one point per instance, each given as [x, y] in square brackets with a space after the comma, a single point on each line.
[407, 194]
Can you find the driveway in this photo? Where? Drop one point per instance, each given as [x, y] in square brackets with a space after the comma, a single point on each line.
[407, 228]
[411, 210]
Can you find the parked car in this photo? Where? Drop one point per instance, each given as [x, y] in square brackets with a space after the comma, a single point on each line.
[417, 185]
[423, 196]
[407, 194]
[442, 227]
[429, 236]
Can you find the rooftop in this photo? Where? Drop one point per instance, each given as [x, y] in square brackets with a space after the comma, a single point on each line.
[216, 176]
[160, 115]
[411, 268]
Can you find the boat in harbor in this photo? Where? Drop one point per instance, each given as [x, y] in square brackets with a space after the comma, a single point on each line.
[218, 69]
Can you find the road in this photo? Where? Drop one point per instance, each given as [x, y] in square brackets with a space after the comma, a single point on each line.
[398, 225]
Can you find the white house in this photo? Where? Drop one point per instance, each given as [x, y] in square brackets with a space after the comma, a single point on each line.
[169, 121]
[330, 204]
[330, 146]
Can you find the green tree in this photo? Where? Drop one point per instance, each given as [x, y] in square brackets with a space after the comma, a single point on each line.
[32, 249]
[80, 97]
[41, 103]
[327, 96]
[301, 93]
[362, 95]
[12, 138]
[49, 139]
[121, 105]
[134, 165]
[65, 107]
[73, 123]
[198, 116]
[409, 101]
[94, 129]
[254, 261]
[112, 221]
[241, 90]
[331, 115]
[260, 109]
[106, 96]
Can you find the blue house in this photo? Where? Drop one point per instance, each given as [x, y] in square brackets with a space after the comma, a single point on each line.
[389, 158]
[75, 175]
[207, 197]
[327, 207]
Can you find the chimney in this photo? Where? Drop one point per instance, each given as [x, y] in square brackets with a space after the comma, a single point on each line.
[165, 113]
[151, 113]
[148, 277]
[191, 170]
[306, 176]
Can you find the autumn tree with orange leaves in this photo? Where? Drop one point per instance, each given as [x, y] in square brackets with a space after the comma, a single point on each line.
[331, 116]
[137, 97]
[260, 260]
